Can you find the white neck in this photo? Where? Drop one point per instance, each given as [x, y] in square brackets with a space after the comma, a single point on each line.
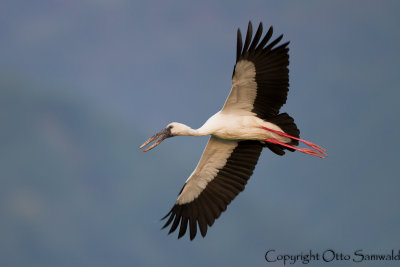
[195, 132]
[182, 129]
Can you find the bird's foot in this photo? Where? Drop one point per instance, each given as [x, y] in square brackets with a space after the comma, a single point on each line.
[318, 151]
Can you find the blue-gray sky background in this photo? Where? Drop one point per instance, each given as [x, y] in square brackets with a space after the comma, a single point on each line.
[84, 83]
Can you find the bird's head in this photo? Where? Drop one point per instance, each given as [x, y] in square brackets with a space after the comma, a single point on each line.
[172, 129]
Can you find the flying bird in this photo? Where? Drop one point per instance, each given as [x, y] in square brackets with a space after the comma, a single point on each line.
[248, 122]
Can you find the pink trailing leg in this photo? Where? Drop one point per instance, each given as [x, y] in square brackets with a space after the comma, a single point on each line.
[318, 151]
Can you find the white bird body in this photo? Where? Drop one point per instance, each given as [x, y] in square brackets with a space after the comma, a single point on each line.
[231, 126]
[248, 122]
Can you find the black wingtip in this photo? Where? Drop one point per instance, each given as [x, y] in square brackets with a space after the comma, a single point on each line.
[192, 228]
[256, 38]
[248, 36]
[171, 230]
[252, 43]
[168, 222]
[265, 40]
[183, 228]
[273, 43]
[239, 45]
[163, 218]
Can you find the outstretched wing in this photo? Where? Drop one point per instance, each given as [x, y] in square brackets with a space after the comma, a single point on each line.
[219, 177]
[260, 78]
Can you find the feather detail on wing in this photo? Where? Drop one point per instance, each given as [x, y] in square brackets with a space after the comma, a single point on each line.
[260, 77]
[219, 177]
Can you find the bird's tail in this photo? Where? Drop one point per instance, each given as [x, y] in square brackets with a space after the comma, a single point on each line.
[286, 123]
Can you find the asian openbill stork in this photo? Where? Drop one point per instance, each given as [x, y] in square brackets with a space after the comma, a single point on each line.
[248, 121]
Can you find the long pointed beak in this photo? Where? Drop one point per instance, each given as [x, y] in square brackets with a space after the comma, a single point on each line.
[163, 134]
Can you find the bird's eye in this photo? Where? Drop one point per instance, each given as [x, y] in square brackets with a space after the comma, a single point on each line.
[170, 127]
